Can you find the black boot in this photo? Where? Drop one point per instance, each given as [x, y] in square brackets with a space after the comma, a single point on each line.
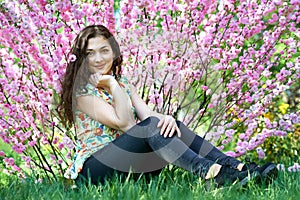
[268, 172]
[229, 176]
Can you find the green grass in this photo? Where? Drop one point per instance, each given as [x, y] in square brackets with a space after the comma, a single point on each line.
[170, 184]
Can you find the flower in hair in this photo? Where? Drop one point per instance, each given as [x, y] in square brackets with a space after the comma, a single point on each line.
[72, 58]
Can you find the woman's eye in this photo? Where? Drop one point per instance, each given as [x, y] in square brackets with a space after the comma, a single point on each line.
[105, 50]
[90, 53]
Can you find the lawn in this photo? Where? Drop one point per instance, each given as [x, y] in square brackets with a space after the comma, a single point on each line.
[170, 184]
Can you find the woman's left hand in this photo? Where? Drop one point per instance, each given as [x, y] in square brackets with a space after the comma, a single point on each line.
[168, 126]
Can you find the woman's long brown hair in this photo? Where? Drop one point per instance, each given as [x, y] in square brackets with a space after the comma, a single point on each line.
[77, 72]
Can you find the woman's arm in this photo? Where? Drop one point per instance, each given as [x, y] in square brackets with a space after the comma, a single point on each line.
[167, 123]
[117, 116]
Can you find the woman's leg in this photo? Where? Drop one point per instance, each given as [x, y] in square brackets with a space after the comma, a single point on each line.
[143, 150]
[205, 148]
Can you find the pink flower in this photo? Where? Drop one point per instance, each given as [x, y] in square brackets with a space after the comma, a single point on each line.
[225, 141]
[44, 140]
[280, 133]
[27, 159]
[2, 154]
[204, 87]
[210, 105]
[229, 133]
[295, 2]
[242, 136]
[16, 168]
[32, 143]
[221, 147]
[230, 153]
[9, 161]
[277, 2]
[268, 123]
[72, 58]
[68, 143]
[55, 140]
[61, 146]
[260, 152]
[52, 157]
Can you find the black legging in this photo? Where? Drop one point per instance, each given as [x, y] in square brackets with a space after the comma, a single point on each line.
[143, 150]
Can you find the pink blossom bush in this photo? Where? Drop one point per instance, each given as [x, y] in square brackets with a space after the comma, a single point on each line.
[35, 39]
[216, 65]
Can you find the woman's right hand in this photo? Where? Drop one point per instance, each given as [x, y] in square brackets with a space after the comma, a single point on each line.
[102, 81]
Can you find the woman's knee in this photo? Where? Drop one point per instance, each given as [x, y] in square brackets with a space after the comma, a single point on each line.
[150, 122]
[145, 129]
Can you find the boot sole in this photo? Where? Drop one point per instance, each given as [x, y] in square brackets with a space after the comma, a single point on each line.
[270, 173]
[253, 176]
[210, 184]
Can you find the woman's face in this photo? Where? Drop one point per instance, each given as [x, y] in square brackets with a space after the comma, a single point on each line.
[100, 55]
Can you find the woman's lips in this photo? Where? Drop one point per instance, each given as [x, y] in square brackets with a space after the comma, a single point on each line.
[100, 66]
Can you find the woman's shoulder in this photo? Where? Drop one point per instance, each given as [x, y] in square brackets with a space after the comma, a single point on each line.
[124, 79]
[125, 83]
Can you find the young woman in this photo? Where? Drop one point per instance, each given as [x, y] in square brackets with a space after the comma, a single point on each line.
[118, 133]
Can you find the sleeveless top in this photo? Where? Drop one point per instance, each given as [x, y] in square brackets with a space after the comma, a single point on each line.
[91, 134]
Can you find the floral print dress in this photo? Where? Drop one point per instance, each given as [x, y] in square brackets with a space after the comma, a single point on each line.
[91, 134]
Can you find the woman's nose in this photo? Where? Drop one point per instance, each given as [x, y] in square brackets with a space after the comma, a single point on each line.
[98, 57]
